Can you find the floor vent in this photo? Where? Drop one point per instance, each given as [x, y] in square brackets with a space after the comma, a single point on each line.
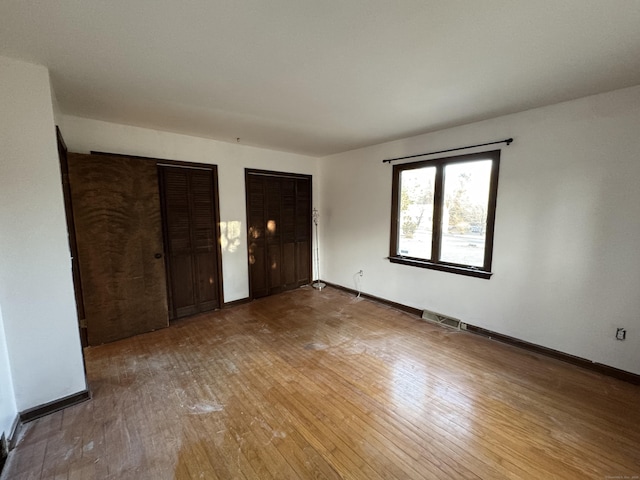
[443, 320]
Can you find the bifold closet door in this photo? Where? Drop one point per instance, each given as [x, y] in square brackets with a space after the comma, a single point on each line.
[279, 231]
[191, 234]
[116, 210]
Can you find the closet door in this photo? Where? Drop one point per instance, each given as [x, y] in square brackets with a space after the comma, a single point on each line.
[279, 231]
[303, 231]
[273, 235]
[189, 200]
[116, 211]
[288, 232]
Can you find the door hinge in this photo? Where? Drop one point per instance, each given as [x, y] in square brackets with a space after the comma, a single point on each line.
[83, 323]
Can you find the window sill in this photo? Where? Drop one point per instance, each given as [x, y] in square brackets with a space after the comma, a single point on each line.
[442, 267]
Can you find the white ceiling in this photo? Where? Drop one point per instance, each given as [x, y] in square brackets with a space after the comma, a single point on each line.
[321, 76]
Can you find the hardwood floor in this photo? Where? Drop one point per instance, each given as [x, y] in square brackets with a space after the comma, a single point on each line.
[312, 384]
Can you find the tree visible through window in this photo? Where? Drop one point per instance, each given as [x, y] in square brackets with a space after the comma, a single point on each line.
[443, 213]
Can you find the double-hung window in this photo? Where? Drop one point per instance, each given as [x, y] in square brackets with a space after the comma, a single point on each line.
[443, 213]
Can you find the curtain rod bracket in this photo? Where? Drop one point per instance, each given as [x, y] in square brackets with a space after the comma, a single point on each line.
[508, 141]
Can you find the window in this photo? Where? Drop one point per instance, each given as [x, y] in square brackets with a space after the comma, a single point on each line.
[443, 213]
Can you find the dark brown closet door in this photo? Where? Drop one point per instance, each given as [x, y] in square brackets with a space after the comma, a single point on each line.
[279, 231]
[116, 210]
[191, 233]
[71, 229]
[256, 229]
[303, 231]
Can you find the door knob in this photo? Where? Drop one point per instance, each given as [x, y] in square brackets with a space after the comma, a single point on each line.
[158, 255]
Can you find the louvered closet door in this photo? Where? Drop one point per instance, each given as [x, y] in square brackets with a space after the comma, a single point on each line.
[256, 204]
[273, 235]
[303, 231]
[279, 231]
[191, 239]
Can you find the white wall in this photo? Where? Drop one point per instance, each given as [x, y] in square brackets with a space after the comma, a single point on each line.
[83, 135]
[36, 289]
[8, 409]
[566, 256]
[57, 114]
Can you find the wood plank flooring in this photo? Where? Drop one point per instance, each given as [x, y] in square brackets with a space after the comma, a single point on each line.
[322, 385]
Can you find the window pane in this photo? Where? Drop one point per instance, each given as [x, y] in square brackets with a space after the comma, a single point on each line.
[464, 216]
[416, 212]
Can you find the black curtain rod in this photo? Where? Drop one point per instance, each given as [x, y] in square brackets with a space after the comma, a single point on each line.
[507, 141]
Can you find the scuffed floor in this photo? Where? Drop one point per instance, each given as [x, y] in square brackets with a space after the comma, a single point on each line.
[318, 384]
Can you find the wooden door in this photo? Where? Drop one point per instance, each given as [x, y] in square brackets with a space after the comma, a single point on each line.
[279, 231]
[116, 209]
[189, 197]
[71, 229]
[256, 228]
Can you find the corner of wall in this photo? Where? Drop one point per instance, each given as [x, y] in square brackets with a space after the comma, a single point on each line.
[8, 408]
[40, 334]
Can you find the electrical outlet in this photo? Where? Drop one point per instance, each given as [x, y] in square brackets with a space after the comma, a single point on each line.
[621, 334]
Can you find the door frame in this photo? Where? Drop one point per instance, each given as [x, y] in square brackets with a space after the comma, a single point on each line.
[73, 245]
[273, 173]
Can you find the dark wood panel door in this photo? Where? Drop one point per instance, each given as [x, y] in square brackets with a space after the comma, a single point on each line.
[189, 197]
[116, 210]
[279, 231]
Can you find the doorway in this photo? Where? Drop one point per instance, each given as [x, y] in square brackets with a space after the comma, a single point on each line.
[279, 231]
[71, 230]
